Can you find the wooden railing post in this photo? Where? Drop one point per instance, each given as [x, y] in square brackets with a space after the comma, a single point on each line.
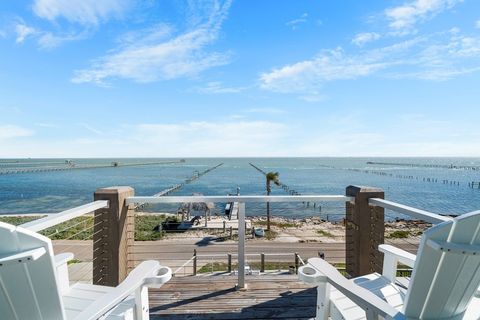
[364, 231]
[297, 262]
[113, 236]
[262, 262]
[229, 257]
[194, 262]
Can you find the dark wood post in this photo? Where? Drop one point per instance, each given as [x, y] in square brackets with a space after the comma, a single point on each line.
[194, 262]
[113, 236]
[365, 230]
[229, 257]
[297, 262]
[262, 262]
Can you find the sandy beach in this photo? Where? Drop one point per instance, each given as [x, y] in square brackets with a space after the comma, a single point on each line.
[304, 230]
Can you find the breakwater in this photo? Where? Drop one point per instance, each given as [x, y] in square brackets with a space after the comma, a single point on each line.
[425, 165]
[472, 184]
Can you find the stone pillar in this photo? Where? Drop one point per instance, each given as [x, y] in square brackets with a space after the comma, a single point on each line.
[365, 230]
[113, 236]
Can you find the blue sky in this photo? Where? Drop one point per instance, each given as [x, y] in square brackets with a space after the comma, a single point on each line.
[124, 78]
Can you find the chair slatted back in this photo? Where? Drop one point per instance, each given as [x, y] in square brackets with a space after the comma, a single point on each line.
[447, 269]
[28, 290]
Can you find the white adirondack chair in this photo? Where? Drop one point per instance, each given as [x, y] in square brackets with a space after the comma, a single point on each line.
[34, 284]
[444, 282]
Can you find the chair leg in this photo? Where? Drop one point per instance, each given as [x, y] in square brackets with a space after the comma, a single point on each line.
[323, 301]
[142, 311]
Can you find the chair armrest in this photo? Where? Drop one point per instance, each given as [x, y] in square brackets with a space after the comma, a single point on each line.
[392, 256]
[63, 258]
[402, 256]
[61, 266]
[372, 304]
[136, 279]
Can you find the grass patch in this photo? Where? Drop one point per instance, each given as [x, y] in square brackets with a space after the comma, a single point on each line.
[270, 234]
[282, 225]
[324, 233]
[398, 234]
[144, 226]
[213, 267]
[19, 220]
[73, 261]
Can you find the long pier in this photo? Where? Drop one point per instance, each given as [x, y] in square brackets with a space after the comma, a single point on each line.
[70, 166]
[286, 188]
[425, 165]
[196, 175]
[281, 184]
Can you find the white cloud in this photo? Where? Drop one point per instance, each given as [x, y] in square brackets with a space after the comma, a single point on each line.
[23, 31]
[408, 14]
[266, 110]
[340, 134]
[477, 24]
[234, 138]
[85, 12]
[329, 65]
[448, 59]
[295, 23]
[9, 131]
[216, 87]
[145, 61]
[438, 57]
[48, 40]
[361, 38]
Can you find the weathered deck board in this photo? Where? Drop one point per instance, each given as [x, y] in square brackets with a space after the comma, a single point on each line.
[215, 297]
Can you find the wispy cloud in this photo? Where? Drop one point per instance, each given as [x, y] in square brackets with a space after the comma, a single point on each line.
[85, 12]
[438, 57]
[361, 38]
[477, 24]
[45, 125]
[405, 16]
[266, 110]
[23, 31]
[91, 129]
[231, 138]
[216, 87]
[48, 40]
[184, 55]
[329, 65]
[9, 131]
[295, 23]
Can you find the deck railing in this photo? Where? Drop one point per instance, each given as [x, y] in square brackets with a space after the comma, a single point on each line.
[227, 263]
[113, 227]
[64, 216]
[408, 211]
[242, 201]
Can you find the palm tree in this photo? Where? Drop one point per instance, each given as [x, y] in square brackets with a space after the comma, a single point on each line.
[271, 177]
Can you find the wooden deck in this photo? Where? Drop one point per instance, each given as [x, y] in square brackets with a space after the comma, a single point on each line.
[215, 297]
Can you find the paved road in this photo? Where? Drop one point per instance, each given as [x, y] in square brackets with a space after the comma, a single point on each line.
[175, 253]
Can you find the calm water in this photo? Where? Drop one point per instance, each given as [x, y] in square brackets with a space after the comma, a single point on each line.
[50, 192]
